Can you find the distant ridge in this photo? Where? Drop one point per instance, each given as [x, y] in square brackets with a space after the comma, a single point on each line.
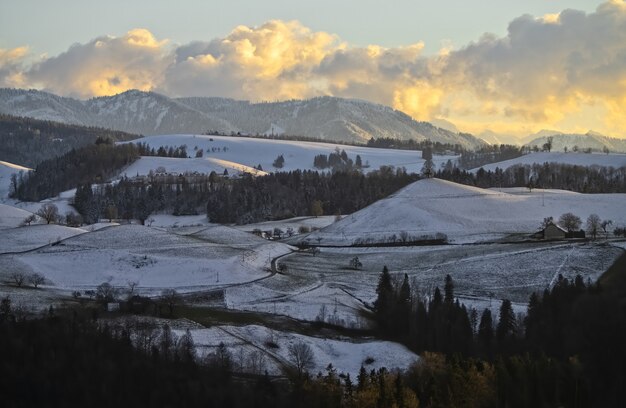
[590, 140]
[149, 113]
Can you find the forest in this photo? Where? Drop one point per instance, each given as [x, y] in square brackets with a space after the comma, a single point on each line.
[581, 179]
[28, 142]
[243, 200]
[95, 163]
[566, 351]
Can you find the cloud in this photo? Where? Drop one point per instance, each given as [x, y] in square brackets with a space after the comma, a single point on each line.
[12, 67]
[557, 70]
[547, 69]
[270, 62]
[104, 66]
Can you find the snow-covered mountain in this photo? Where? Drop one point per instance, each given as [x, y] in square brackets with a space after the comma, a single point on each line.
[149, 113]
[590, 140]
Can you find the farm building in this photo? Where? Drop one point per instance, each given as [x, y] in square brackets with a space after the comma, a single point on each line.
[552, 231]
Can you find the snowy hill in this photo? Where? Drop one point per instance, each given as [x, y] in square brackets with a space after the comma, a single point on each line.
[589, 140]
[579, 159]
[149, 113]
[464, 213]
[243, 153]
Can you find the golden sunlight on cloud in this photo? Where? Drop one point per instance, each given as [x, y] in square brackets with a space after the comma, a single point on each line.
[11, 69]
[143, 38]
[104, 66]
[420, 100]
[552, 18]
[561, 70]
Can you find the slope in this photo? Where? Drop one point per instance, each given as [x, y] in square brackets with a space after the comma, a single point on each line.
[228, 152]
[465, 214]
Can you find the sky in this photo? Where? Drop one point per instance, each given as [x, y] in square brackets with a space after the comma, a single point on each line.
[508, 66]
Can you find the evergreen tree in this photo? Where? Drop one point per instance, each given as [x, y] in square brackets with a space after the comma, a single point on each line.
[384, 302]
[506, 324]
[485, 330]
[448, 290]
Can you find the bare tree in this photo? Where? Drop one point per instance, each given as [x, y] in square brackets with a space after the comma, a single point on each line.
[593, 225]
[302, 357]
[105, 292]
[605, 227]
[131, 287]
[570, 222]
[171, 298]
[36, 279]
[49, 212]
[29, 220]
[355, 263]
[18, 278]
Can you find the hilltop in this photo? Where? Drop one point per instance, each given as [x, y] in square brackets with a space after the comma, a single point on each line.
[149, 113]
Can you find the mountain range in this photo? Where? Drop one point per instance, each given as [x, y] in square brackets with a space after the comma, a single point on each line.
[149, 113]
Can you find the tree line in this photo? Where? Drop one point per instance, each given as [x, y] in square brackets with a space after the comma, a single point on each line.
[300, 193]
[28, 142]
[582, 179]
[95, 163]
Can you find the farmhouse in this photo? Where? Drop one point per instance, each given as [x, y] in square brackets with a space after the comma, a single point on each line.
[552, 231]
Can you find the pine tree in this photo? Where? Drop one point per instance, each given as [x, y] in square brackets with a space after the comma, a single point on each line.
[384, 301]
[448, 290]
[485, 330]
[506, 324]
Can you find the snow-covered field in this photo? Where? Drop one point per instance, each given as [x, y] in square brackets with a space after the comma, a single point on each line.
[244, 153]
[31, 237]
[464, 213]
[323, 286]
[579, 159]
[154, 259]
[248, 346]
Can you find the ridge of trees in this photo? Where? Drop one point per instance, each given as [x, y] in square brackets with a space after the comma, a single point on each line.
[300, 193]
[95, 163]
[582, 179]
[27, 141]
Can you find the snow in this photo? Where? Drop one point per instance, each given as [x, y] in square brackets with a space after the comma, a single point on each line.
[153, 260]
[346, 356]
[11, 217]
[244, 153]
[35, 236]
[578, 159]
[464, 213]
[173, 165]
[294, 223]
[6, 169]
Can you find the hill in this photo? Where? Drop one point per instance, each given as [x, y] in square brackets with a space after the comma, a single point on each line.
[465, 214]
[239, 154]
[326, 118]
[28, 141]
[578, 159]
[590, 140]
